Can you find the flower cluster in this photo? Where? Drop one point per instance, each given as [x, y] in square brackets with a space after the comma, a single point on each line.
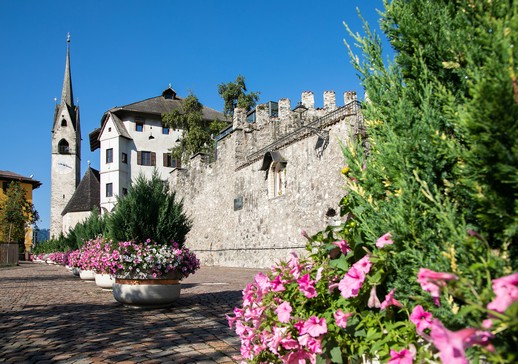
[58, 258]
[294, 336]
[152, 260]
[74, 258]
[89, 254]
[309, 309]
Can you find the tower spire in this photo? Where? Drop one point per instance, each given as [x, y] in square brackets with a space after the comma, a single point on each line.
[66, 94]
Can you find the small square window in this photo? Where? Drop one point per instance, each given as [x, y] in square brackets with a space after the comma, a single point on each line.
[165, 130]
[124, 158]
[109, 189]
[139, 126]
[109, 155]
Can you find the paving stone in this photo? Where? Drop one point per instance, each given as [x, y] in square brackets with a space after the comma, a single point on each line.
[48, 315]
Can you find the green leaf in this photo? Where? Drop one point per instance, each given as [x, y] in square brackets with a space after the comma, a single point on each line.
[336, 355]
[340, 263]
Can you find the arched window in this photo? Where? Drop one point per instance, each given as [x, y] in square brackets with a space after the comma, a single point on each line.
[63, 147]
[63, 122]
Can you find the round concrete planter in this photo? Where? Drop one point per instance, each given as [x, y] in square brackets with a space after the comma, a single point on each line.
[105, 281]
[87, 275]
[146, 293]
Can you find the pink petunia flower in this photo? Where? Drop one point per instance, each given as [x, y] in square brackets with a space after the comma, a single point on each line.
[307, 286]
[343, 245]
[403, 356]
[390, 301]
[314, 326]
[298, 357]
[277, 284]
[384, 240]
[506, 291]
[421, 318]
[262, 281]
[451, 344]
[351, 283]
[373, 301]
[341, 318]
[284, 312]
[363, 265]
[319, 274]
[432, 282]
[289, 343]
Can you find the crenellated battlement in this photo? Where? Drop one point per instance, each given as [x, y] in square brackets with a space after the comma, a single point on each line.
[275, 124]
[281, 111]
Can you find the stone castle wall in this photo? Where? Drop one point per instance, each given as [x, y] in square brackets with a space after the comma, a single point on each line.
[237, 221]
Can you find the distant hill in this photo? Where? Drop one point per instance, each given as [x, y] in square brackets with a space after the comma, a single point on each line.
[42, 235]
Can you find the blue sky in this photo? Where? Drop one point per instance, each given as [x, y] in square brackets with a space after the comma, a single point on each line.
[126, 51]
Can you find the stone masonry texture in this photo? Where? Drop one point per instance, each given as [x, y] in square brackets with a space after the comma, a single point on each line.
[237, 220]
[49, 316]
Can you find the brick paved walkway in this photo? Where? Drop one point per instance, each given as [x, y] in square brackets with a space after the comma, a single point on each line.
[49, 316]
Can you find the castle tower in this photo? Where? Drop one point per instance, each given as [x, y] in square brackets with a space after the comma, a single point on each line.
[66, 151]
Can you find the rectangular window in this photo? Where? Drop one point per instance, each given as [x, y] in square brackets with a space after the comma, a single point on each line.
[109, 189]
[124, 158]
[169, 161]
[139, 126]
[124, 191]
[165, 130]
[145, 158]
[109, 155]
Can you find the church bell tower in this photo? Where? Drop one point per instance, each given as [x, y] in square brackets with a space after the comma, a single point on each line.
[66, 151]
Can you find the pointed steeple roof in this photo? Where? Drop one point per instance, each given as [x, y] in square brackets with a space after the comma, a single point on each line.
[66, 94]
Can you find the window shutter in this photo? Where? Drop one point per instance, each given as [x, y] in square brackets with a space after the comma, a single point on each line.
[153, 158]
[139, 158]
[165, 160]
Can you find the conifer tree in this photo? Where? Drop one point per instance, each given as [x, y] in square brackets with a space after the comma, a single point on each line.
[149, 211]
[438, 169]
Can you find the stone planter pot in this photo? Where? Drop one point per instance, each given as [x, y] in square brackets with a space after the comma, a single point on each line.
[75, 271]
[147, 293]
[87, 275]
[105, 281]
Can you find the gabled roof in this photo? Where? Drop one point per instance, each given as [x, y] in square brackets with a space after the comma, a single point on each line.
[164, 103]
[11, 176]
[87, 195]
[155, 106]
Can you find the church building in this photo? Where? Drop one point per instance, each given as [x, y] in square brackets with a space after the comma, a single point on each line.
[66, 151]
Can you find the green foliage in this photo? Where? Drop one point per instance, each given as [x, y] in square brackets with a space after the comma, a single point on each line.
[234, 95]
[91, 228]
[16, 214]
[196, 131]
[149, 211]
[61, 244]
[439, 167]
